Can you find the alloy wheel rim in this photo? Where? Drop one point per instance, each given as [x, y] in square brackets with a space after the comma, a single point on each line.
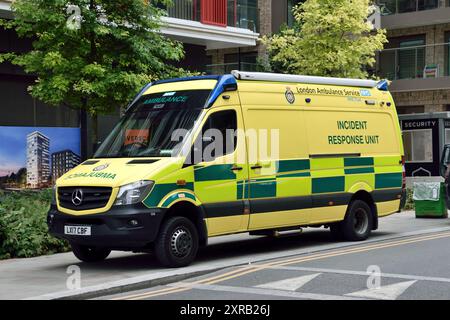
[181, 242]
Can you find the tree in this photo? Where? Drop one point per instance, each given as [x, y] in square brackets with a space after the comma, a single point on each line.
[92, 54]
[330, 38]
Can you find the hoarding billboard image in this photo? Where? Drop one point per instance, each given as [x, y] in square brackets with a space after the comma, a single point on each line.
[34, 157]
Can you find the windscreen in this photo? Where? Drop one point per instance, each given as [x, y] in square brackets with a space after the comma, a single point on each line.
[146, 129]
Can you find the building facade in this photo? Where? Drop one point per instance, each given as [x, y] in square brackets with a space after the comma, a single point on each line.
[417, 61]
[63, 161]
[417, 57]
[38, 160]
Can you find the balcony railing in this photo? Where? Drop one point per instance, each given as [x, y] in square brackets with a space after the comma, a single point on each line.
[185, 9]
[389, 7]
[425, 61]
[222, 13]
[245, 17]
[226, 68]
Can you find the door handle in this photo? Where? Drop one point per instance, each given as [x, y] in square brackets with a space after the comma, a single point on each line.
[256, 166]
[236, 168]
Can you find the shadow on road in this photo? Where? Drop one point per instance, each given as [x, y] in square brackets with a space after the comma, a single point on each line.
[262, 245]
[222, 250]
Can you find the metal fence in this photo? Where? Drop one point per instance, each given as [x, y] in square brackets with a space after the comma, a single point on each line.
[389, 7]
[413, 62]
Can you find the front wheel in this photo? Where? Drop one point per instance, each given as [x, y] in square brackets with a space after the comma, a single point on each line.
[89, 254]
[177, 243]
[357, 224]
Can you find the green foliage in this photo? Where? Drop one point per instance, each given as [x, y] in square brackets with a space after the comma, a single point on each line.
[330, 38]
[99, 65]
[409, 205]
[23, 227]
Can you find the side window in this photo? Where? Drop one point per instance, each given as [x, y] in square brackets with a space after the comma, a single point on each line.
[219, 135]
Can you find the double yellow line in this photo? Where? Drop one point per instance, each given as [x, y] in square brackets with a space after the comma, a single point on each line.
[282, 262]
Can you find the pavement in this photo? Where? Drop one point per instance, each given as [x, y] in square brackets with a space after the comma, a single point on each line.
[46, 277]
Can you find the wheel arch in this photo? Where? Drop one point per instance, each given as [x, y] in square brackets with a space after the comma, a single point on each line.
[192, 212]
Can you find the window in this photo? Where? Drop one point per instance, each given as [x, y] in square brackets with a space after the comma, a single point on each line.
[403, 58]
[418, 145]
[149, 128]
[243, 14]
[246, 61]
[404, 6]
[219, 135]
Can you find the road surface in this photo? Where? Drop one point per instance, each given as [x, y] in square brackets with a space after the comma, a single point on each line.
[415, 267]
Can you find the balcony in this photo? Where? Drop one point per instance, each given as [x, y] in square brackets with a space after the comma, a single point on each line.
[231, 13]
[412, 68]
[389, 7]
[215, 24]
[398, 14]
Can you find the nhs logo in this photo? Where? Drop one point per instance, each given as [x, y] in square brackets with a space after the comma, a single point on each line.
[365, 93]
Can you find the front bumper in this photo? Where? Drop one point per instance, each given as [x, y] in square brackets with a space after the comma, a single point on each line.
[111, 229]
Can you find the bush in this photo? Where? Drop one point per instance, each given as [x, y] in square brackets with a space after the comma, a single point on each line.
[409, 205]
[23, 227]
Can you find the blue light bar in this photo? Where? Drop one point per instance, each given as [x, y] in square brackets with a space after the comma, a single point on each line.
[383, 85]
[224, 80]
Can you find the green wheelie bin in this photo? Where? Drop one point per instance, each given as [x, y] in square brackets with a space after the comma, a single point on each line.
[430, 200]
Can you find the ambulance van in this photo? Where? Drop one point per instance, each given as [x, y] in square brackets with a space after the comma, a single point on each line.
[261, 153]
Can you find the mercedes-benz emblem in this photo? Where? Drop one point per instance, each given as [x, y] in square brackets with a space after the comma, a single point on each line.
[77, 197]
[101, 167]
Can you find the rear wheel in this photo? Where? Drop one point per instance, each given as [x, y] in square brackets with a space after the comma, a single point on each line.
[357, 224]
[89, 254]
[177, 243]
[336, 231]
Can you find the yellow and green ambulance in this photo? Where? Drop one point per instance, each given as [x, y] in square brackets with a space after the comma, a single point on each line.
[206, 156]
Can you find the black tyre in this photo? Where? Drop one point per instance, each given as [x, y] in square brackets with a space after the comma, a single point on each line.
[358, 222]
[89, 254]
[336, 231]
[177, 243]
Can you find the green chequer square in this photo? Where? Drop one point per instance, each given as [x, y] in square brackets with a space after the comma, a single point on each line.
[331, 184]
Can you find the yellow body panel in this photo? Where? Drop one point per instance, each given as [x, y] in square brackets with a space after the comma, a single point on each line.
[327, 215]
[283, 219]
[387, 208]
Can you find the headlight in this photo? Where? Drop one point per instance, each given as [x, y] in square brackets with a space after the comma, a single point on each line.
[133, 193]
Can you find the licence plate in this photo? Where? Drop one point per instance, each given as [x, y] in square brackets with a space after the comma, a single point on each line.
[77, 230]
